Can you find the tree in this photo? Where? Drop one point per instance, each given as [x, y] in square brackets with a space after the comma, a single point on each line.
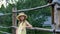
[35, 17]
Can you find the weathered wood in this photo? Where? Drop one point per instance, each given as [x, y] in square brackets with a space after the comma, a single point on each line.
[14, 20]
[39, 7]
[59, 20]
[57, 17]
[44, 29]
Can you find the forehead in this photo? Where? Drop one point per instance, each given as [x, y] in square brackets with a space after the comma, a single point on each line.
[22, 16]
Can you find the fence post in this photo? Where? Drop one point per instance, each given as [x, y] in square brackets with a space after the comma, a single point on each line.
[52, 14]
[14, 20]
[57, 17]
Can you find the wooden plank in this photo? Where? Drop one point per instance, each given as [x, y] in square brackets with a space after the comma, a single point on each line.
[44, 29]
[57, 17]
[39, 7]
[58, 20]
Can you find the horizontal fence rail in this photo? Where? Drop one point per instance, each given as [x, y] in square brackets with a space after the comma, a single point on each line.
[6, 14]
[36, 28]
[39, 7]
[45, 29]
[4, 27]
[8, 27]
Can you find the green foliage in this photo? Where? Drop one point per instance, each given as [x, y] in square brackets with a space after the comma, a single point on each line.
[35, 17]
[29, 4]
[37, 32]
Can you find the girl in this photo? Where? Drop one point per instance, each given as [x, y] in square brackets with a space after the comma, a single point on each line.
[23, 23]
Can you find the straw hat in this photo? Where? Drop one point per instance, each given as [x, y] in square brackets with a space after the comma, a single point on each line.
[21, 14]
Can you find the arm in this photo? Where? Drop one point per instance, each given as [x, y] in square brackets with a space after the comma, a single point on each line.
[28, 25]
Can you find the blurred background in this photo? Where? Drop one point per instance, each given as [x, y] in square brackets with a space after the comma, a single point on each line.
[38, 18]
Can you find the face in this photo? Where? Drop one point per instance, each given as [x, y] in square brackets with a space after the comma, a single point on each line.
[21, 18]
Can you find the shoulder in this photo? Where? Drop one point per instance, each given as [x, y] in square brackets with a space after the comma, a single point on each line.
[26, 21]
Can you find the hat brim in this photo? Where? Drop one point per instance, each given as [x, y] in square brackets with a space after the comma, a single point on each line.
[20, 16]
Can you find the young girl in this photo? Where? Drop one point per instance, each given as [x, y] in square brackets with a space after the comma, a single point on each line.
[23, 23]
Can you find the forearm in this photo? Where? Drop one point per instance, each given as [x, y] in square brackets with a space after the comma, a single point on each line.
[30, 26]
